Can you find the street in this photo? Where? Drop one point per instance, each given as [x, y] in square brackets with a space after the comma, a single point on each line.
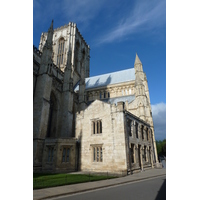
[151, 189]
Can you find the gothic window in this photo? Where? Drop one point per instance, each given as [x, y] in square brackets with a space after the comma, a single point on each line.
[68, 151]
[94, 126]
[50, 154]
[147, 134]
[108, 94]
[132, 153]
[65, 154]
[129, 90]
[97, 154]
[97, 126]
[136, 129]
[142, 130]
[145, 153]
[149, 154]
[60, 54]
[129, 127]
[104, 95]
[100, 95]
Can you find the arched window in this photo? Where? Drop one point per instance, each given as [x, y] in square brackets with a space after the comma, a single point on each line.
[60, 54]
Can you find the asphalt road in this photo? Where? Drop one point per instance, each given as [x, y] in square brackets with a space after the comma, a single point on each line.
[151, 189]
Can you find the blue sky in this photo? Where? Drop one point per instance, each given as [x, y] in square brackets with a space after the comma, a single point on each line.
[115, 31]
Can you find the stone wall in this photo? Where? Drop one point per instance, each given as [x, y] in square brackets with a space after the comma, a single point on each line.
[111, 139]
[57, 163]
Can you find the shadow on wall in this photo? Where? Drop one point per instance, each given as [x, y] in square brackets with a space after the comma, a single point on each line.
[79, 142]
[99, 82]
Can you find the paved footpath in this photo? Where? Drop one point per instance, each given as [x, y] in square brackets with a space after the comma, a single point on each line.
[81, 187]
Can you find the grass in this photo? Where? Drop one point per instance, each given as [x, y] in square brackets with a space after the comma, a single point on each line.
[53, 180]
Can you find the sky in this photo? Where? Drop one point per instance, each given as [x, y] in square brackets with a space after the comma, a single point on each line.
[116, 30]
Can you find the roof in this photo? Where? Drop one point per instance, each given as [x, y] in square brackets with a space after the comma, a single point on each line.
[108, 79]
[115, 100]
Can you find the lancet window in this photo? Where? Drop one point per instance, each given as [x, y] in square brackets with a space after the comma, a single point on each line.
[60, 54]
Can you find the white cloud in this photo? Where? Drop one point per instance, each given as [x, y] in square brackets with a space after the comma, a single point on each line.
[159, 119]
[82, 11]
[144, 16]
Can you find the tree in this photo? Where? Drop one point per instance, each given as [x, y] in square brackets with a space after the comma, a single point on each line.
[161, 147]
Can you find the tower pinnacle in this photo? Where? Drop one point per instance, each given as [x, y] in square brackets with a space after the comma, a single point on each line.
[50, 35]
[137, 60]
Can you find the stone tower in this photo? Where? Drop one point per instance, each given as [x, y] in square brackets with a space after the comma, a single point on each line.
[41, 101]
[142, 98]
[62, 64]
[68, 38]
[140, 90]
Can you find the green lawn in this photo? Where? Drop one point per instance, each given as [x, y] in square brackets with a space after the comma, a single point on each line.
[52, 180]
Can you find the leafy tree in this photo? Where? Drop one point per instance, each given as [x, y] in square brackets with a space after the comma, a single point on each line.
[161, 147]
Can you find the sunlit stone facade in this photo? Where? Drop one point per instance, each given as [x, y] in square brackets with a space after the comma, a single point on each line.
[99, 124]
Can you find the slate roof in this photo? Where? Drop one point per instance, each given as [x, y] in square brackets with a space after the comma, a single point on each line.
[108, 79]
[129, 98]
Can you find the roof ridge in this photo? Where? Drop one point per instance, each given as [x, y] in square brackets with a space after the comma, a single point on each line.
[110, 73]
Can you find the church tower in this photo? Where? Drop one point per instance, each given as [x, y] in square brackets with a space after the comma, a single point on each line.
[140, 90]
[68, 38]
[41, 101]
[143, 99]
[71, 54]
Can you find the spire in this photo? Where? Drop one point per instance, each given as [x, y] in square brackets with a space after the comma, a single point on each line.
[46, 58]
[137, 60]
[50, 34]
[51, 27]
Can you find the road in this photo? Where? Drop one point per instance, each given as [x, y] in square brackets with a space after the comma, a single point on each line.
[151, 189]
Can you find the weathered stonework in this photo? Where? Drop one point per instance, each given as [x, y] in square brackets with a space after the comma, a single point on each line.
[98, 124]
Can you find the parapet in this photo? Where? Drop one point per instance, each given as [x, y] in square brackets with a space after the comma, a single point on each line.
[120, 106]
[35, 50]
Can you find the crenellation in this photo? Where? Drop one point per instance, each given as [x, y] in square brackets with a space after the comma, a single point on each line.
[35, 50]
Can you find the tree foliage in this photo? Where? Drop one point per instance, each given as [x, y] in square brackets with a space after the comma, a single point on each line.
[161, 147]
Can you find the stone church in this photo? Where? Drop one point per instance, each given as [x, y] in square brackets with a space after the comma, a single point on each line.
[99, 124]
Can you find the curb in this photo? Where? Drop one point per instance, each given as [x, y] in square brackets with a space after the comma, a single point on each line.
[89, 189]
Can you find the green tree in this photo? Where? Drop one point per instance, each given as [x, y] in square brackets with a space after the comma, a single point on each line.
[161, 147]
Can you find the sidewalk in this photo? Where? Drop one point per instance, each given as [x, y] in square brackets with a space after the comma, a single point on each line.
[81, 187]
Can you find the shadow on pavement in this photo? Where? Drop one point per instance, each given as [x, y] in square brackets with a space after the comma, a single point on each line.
[162, 192]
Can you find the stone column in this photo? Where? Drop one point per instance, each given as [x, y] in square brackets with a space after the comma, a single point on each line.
[151, 157]
[141, 163]
[92, 127]
[134, 153]
[154, 146]
[132, 128]
[139, 131]
[95, 127]
[146, 154]
[144, 132]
